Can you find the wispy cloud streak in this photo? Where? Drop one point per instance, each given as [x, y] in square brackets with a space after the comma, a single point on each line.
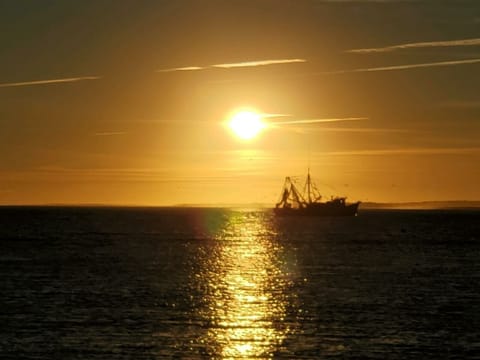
[315, 121]
[462, 104]
[110, 133]
[363, 130]
[51, 81]
[409, 151]
[334, 129]
[258, 63]
[236, 65]
[267, 115]
[186, 68]
[404, 67]
[426, 44]
[366, 1]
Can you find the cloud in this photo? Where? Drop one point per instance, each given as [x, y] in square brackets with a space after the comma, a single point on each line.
[51, 81]
[427, 44]
[267, 115]
[408, 151]
[61, 174]
[336, 129]
[110, 133]
[186, 68]
[53, 174]
[462, 104]
[364, 130]
[314, 121]
[367, 1]
[404, 67]
[258, 63]
[236, 65]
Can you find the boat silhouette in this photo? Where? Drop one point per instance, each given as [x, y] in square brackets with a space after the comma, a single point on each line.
[293, 202]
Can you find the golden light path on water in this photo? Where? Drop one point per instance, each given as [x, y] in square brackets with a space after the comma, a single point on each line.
[248, 277]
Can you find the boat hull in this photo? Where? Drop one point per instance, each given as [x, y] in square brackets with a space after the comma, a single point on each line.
[320, 210]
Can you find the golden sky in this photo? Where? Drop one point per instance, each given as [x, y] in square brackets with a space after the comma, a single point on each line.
[125, 102]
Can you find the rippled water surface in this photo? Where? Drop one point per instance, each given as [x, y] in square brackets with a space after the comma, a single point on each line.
[101, 283]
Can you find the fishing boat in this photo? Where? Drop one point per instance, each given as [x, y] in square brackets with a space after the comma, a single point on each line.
[294, 202]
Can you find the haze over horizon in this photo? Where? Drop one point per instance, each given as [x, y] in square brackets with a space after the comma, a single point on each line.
[127, 102]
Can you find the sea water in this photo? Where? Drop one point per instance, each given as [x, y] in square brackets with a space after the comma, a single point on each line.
[161, 283]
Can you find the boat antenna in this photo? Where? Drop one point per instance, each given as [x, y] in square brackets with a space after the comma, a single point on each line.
[308, 176]
[309, 156]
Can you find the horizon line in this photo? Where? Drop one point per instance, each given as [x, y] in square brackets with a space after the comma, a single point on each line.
[266, 206]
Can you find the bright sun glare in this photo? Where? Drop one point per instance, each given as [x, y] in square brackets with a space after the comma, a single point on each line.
[246, 124]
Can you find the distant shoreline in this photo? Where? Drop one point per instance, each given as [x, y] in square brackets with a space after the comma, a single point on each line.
[427, 205]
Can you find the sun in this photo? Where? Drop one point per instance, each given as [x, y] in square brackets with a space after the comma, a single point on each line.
[246, 124]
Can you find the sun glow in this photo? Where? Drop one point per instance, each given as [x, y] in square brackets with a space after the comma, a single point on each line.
[246, 124]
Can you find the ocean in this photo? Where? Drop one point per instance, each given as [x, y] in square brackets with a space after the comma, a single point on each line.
[186, 283]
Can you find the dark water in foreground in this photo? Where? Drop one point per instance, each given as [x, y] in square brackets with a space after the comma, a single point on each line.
[204, 283]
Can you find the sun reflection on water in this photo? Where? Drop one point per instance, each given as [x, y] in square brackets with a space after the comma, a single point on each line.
[247, 281]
